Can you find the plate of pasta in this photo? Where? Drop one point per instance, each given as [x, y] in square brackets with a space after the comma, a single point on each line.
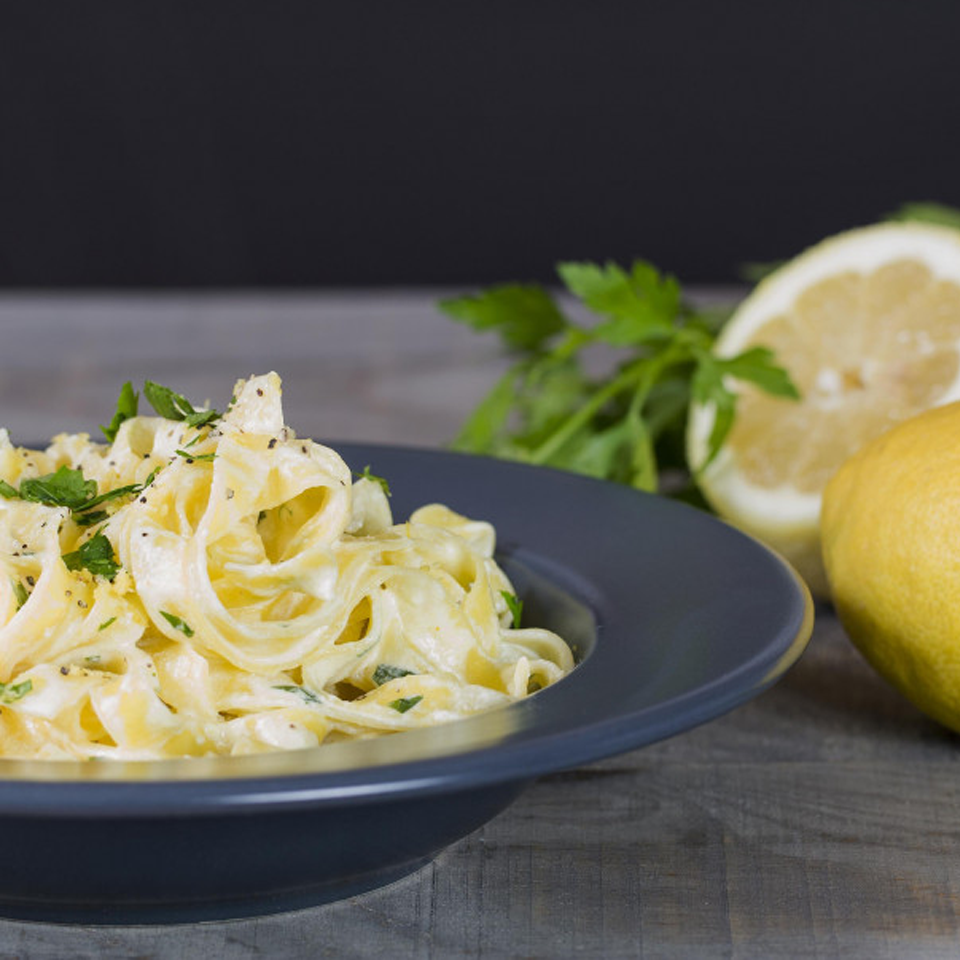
[318, 664]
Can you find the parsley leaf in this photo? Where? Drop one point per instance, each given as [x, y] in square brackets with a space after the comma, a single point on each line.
[307, 695]
[65, 488]
[95, 555]
[928, 212]
[151, 476]
[177, 623]
[200, 418]
[524, 314]
[515, 607]
[68, 488]
[20, 592]
[130, 488]
[201, 457]
[11, 692]
[91, 518]
[403, 704]
[167, 403]
[385, 672]
[757, 365]
[628, 425]
[367, 475]
[639, 305]
[103, 626]
[126, 408]
[174, 406]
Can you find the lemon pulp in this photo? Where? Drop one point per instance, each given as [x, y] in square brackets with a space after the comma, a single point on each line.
[865, 351]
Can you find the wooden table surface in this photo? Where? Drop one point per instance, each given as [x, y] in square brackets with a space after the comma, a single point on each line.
[820, 820]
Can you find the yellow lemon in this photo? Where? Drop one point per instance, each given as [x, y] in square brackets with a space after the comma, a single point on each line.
[868, 325]
[891, 546]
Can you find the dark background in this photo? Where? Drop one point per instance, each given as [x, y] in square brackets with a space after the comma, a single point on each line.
[296, 143]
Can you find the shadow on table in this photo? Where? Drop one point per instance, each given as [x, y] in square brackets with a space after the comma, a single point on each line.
[842, 694]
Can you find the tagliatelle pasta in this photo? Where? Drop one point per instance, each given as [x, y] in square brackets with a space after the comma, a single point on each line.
[210, 585]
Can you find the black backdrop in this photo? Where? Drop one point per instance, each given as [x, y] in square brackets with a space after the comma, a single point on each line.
[306, 143]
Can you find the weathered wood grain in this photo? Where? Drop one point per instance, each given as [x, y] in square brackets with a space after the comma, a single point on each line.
[820, 820]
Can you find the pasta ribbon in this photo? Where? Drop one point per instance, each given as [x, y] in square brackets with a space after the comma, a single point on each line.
[216, 585]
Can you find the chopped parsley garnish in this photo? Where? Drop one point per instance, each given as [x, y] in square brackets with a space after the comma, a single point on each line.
[103, 626]
[515, 607]
[403, 704]
[177, 623]
[131, 488]
[10, 692]
[126, 408]
[7, 491]
[96, 555]
[20, 592]
[174, 406]
[202, 457]
[91, 518]
[150, 478]
[167, 403]
[386, 672]
[307, 695]
[200, 418]
[65, 488]
[69, 488]
[367, 475]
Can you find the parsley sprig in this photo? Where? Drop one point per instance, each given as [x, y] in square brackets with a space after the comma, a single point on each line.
[380, 481]
[67, 487]
[126, 409]
[628, 425]
[166, 402]
[175, 406]
[515, 606]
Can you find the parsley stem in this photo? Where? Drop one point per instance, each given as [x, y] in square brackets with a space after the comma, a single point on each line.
[570, 345]
[644, 372]
[582, 416]
[652, 369]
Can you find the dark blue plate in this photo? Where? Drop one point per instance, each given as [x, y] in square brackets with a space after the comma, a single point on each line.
[674, 616]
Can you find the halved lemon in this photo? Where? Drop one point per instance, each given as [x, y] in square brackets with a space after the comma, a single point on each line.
[868, 325]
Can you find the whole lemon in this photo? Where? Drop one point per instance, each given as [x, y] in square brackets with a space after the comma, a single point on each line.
[890, 528]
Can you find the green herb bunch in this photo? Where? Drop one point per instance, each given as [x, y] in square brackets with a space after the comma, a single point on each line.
[628, 425]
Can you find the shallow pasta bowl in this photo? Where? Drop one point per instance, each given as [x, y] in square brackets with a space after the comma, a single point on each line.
[675, 618]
